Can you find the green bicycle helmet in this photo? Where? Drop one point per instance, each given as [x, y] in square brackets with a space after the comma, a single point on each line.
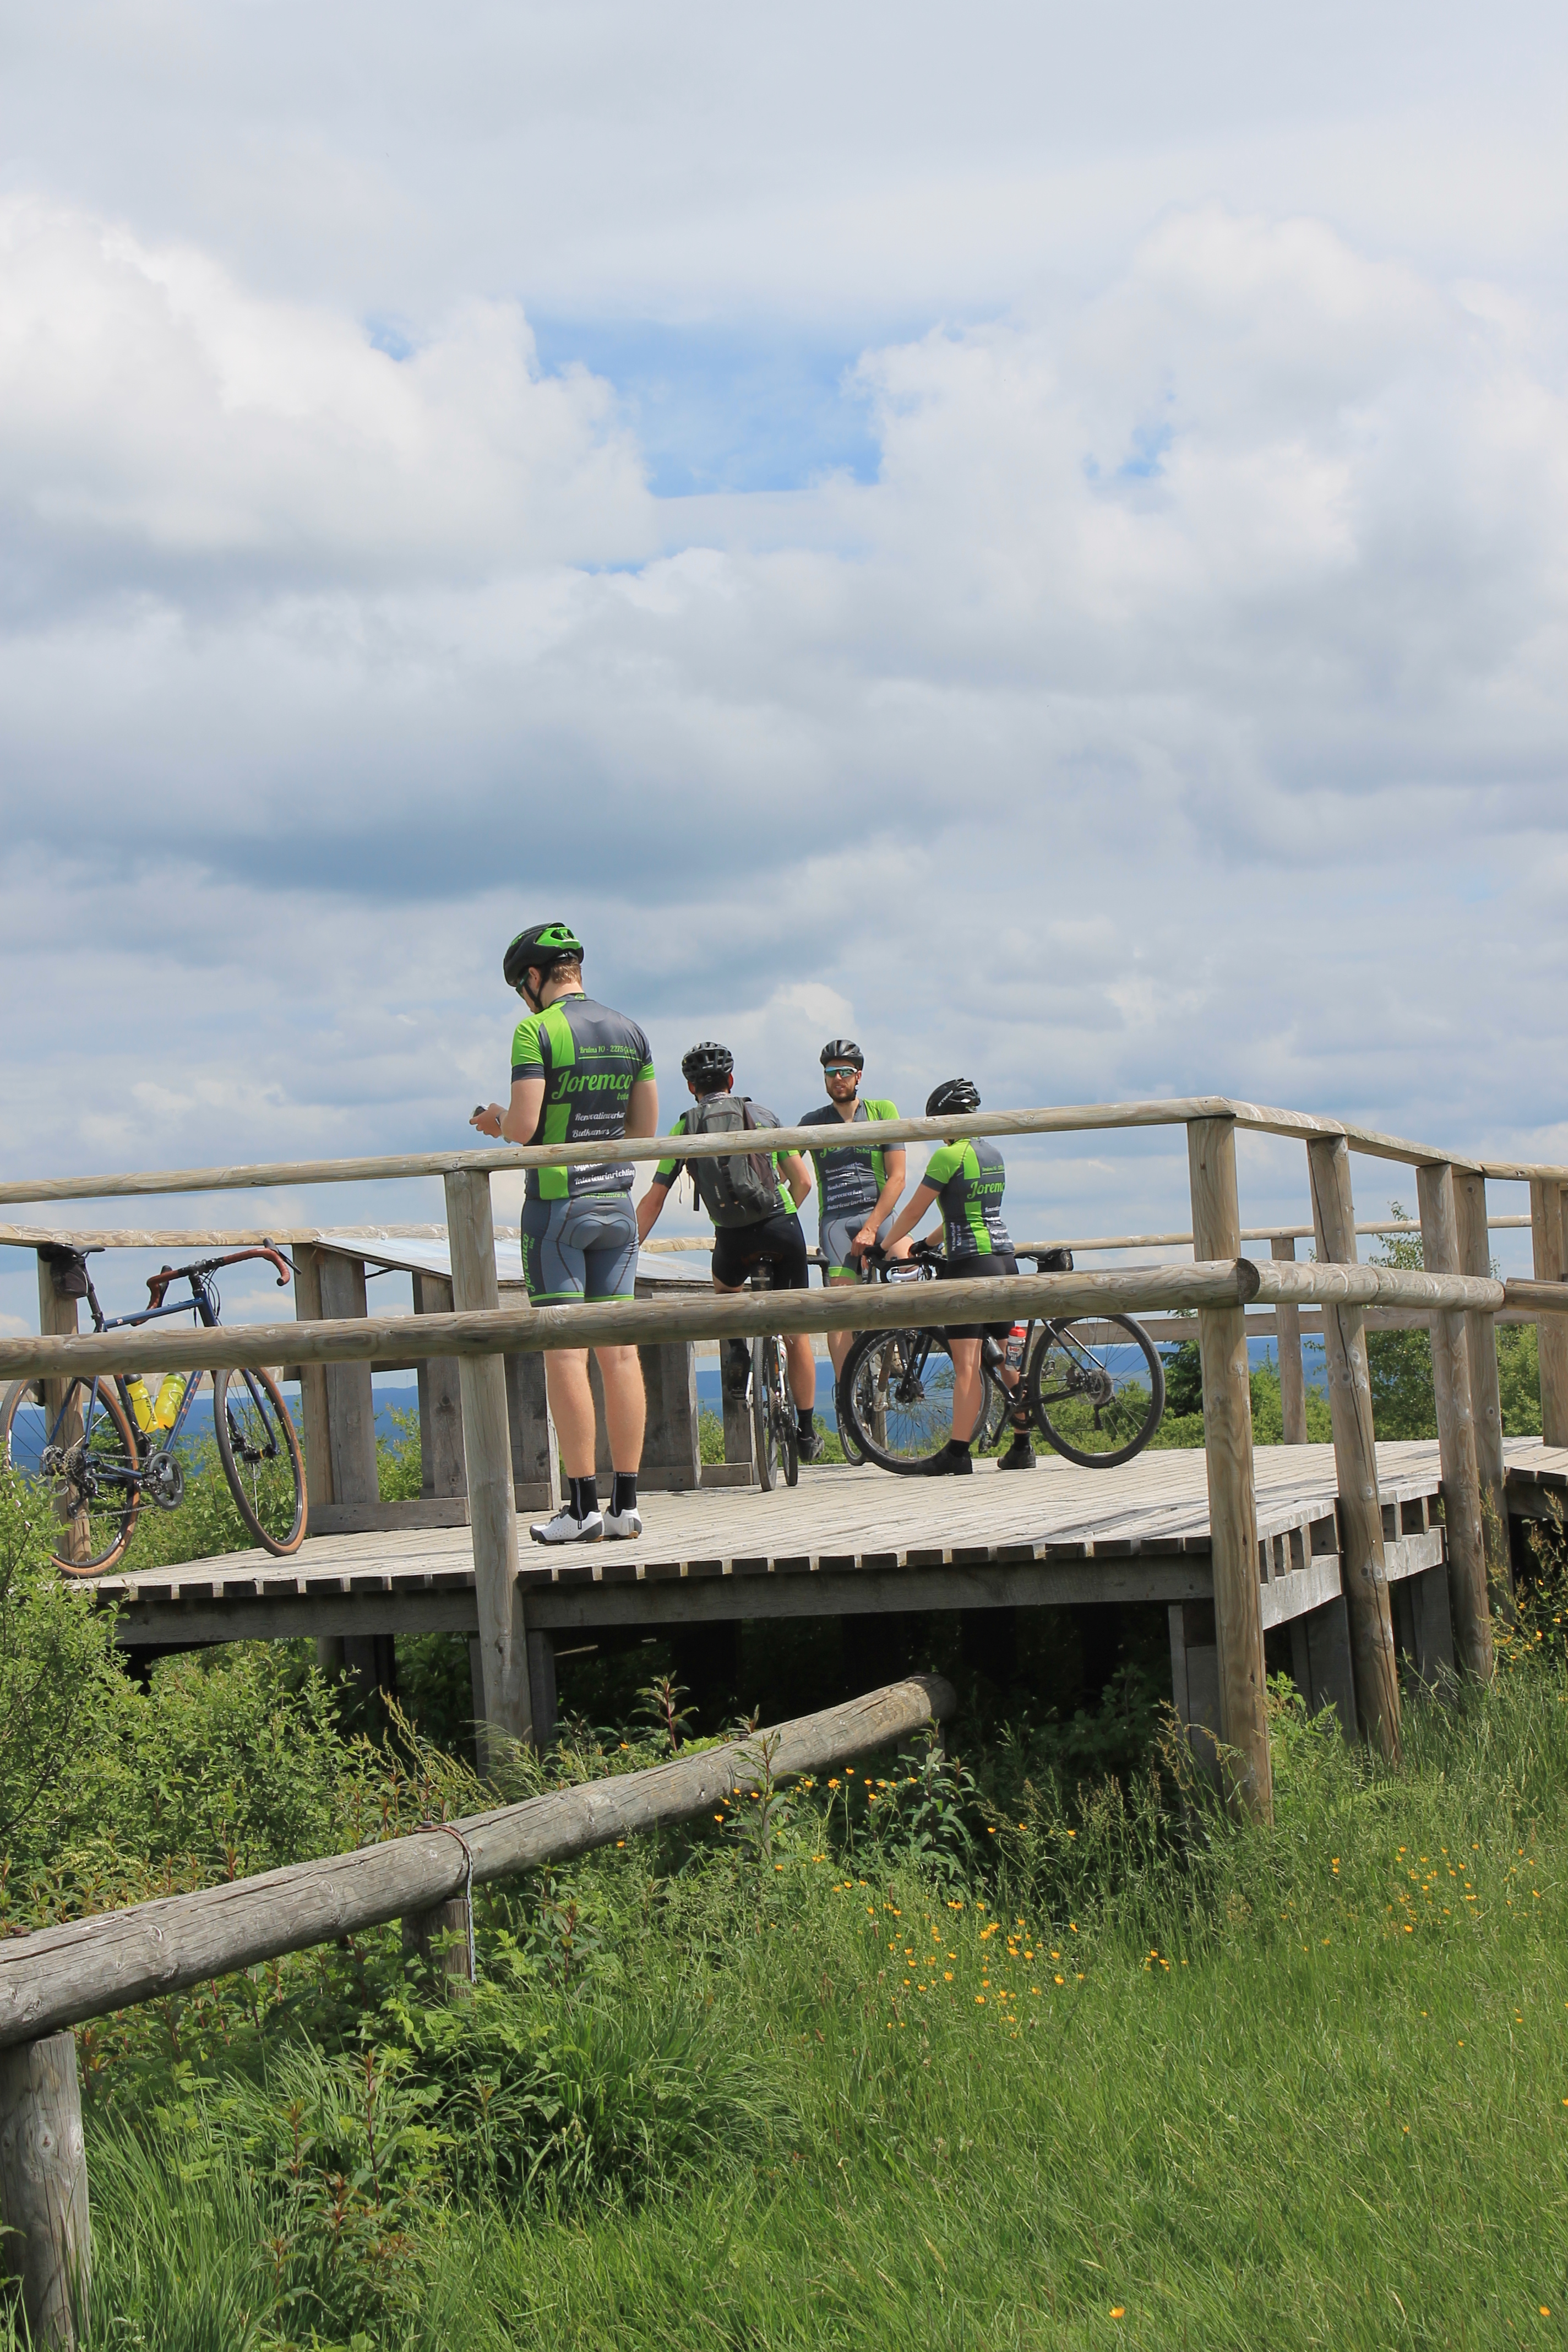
[539, 948]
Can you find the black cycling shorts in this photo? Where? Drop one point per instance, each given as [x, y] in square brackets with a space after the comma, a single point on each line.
[737, 1249]
[975, 1269]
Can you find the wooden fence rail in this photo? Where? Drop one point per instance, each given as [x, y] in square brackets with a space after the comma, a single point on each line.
[509, 1331]
[1079, 1118]
[63, 1975]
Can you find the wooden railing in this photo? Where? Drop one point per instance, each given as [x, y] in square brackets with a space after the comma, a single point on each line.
[62, 1976]
[1455, 1289]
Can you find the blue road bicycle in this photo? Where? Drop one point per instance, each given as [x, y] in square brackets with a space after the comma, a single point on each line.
[102, 1448]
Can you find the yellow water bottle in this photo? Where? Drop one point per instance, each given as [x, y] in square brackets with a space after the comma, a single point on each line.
[166, 1411]
[141, 1405]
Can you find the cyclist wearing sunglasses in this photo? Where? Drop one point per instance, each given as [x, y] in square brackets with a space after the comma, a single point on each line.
[580, 1072]
[858, 1185]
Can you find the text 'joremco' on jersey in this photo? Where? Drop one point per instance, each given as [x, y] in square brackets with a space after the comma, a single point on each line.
[968, 1180]
[849, 1176]
[590, 1059]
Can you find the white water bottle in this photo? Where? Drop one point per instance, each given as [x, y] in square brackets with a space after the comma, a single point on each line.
[1014, 1350]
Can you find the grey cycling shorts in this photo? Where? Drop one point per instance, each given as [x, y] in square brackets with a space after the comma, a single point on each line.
[585, 1248]
[833, 1235]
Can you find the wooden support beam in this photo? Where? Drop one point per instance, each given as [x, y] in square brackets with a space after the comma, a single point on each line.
[1486, 1404]
[58, 1316]
[1456, 1431]
[1293, 1378]
[313, 1383]
[1364, 1566]
[43, 2186]
[1550, 1265]
[535, 1449]
[439, 1940]
[440, 1401]
[351, 1397]
[1233, 1505]
[487, 1450]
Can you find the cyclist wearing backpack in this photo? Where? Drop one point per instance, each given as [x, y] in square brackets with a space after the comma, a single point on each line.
[753, 1200]
[580, 1072]
[967, 1178]
[858, 1185]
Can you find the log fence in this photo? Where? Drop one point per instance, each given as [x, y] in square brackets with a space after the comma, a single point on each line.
[62, 1977]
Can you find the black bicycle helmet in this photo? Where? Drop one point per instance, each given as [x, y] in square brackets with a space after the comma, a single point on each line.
[539, 948]
[954, 1094]
[843, 1049]
[707, 1063]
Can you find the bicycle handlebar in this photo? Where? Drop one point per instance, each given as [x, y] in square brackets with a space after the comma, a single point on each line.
[158, 1283]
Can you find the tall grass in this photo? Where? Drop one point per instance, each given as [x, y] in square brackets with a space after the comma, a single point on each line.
[1041, 2065]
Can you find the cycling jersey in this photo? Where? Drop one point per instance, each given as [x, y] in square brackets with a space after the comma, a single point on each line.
[968, 1180]
[849, 1176]
[590, 1059]
[668, 1170]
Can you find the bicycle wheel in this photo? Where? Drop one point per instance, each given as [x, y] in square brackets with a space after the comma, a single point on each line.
[765, 1420]
[259, 1451]
[86, 1461]
[1096, 1389]
[896, 1393]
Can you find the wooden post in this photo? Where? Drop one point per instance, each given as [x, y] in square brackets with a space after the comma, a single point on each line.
[672, 1451]
[439, 1940]
[486, 1451]
[1466, 1536]
[1486, 1405]
[440, 1400]
[1363, 1569]
[1228, 1454]
[1293, 1378]
[57, 1316]
[43, 2185]
[1550, 1265]
[535, 1449]
[351, 1397]
[1194, 1680]
[314, 1381]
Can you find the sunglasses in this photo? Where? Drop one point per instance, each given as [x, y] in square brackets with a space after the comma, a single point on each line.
[841, 1070]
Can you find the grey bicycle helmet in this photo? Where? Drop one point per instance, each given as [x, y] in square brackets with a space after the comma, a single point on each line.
[954, 1094]
[706, 1062]
[842, 1049]
[539, 948]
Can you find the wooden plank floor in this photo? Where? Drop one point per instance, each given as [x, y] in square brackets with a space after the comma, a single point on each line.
[836, 1520]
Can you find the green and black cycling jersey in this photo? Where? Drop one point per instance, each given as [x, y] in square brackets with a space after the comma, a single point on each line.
[849, 1176]
[668, 1170]
[590, 1059]
[968, 1180]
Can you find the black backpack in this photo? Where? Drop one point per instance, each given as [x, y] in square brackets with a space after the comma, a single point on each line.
[738, 1192]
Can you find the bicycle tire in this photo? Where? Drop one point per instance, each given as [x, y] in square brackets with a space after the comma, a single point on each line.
[886, 1371]
[117, 1461]
[247, 1436]
[764, 1432]
[1054, 1379]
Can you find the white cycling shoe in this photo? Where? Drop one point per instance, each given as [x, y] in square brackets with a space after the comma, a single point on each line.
[621, 1525]
[563, 1529]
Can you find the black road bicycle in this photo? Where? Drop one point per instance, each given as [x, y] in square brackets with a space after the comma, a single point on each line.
[776, 1433]
[103, 1447]
[1094, 1385]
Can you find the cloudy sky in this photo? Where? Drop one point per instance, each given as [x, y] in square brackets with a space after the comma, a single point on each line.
[1031, 535]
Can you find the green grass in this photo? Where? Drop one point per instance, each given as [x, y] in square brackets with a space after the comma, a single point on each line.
[1126, 2074]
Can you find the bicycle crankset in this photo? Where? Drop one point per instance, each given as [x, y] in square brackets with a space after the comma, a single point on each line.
[163, 1481]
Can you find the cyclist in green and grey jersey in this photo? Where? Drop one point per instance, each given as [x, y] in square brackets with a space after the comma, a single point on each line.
[857, 1183]
[580, 1074]
[965, 1177]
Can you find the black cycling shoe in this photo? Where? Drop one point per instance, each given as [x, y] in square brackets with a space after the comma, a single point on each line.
[1020, 1456]
[948, 1464]
[813, 1447]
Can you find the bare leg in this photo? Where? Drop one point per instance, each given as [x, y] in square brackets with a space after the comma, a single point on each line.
[626, 1404]
[967, 1386]
[801, 1370]
[570, 1407]
[840, 1342]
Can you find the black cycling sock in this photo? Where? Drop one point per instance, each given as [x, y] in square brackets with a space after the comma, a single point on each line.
[624, 1494]
[584, 1496]
[958, 1444]
[805, 1415]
